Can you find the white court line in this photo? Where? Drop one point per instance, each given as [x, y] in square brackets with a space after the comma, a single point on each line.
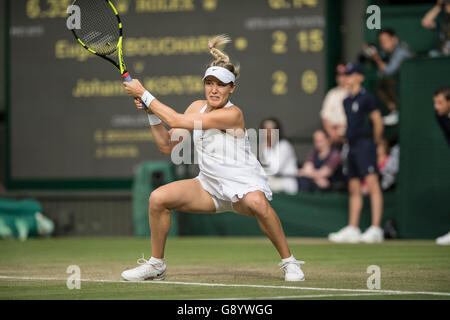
[309, 296]
[398, 292]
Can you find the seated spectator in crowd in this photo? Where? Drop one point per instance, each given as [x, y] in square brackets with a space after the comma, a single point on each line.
[389, 61]
[332, 113]
[388, 164]
[439, 18]
[382, 154]
[278, 159]
[442, 106]
[321, 167]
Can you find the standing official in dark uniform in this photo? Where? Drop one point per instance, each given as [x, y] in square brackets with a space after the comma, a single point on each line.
[364, 132]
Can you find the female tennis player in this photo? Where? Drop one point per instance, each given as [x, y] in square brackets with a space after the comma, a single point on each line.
[230, 181]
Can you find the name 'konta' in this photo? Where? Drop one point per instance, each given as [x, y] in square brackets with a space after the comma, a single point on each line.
[205, 311]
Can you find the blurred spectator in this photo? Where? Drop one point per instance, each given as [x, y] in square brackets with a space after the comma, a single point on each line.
[382, 154]
[279, 159]
[364, 131]
[388, 62]
[442, 106]
[321, 169]
[333, 114]
[390, 170]
[439, 18]
[388, 165]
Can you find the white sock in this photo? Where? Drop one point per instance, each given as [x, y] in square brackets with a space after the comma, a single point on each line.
[290, 259]
[156, 260]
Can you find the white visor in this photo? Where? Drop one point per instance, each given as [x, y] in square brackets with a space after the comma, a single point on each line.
[224, 75]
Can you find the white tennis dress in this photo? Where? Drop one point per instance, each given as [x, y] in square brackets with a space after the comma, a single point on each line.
[228, 168]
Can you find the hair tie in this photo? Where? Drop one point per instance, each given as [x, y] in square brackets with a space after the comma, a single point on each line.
[211, 47]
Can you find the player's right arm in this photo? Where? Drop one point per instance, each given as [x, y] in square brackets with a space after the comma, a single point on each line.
[165, 139]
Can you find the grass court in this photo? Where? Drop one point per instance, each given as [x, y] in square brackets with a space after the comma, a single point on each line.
[223, 268]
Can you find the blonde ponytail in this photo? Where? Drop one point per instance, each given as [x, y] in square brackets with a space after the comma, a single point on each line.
[221, 58]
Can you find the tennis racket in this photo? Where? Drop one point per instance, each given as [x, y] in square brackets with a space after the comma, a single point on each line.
[101, 33]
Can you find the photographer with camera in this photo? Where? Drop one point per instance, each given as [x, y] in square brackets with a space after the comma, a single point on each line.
[388, 61]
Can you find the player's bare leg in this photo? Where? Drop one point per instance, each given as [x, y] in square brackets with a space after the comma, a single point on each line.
[186, 196]
[255, 204]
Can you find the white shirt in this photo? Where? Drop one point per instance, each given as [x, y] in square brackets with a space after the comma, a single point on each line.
[281, 160]
[333, 108]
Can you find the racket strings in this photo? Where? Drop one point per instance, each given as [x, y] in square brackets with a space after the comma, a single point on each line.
[99, 26]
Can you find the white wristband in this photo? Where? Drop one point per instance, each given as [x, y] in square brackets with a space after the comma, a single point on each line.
[154, 120]
[147, 98]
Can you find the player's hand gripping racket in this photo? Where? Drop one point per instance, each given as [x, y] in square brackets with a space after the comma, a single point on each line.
[101, 33]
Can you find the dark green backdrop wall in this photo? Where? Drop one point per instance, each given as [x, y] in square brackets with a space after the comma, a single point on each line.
[2, 92]
[424, 181]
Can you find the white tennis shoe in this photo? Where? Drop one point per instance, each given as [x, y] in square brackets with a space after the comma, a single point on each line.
[348, 234]
[444, 240]
[292, 270]
[373, 235]
[147, 270]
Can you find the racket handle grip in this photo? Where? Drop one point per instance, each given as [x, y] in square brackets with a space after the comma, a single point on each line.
[127, 78]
